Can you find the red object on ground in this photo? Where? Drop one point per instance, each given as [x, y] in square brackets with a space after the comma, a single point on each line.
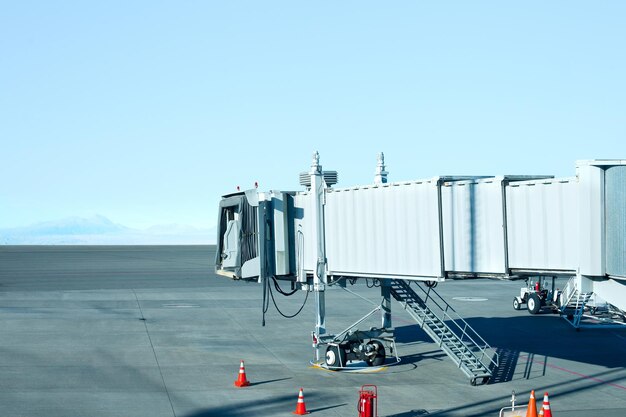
[547, 412]
[368, 401]
[301, 406]
[242, 380]
[531, 410]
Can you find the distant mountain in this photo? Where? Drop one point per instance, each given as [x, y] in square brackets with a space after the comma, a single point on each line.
[99, 230]
[71, 226]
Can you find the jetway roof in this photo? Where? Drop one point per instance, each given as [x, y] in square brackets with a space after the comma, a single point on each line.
[506, 178]
[600, 162]
[448, 179]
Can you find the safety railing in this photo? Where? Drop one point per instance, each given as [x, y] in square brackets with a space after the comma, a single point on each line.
[466, 333]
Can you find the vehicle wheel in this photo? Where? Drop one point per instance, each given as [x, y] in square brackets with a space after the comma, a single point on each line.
[335, 356]
[378, 358]
[516, 304]
[534, 303]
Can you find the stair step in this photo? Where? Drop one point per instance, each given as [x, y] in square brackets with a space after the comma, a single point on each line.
[438, 330]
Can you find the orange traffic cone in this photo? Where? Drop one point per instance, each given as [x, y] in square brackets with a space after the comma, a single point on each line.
[242, 381]
[531, 410]
[546, 406]
[540, 412]
[300, 407]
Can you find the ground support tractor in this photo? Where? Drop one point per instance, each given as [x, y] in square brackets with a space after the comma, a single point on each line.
[537, 297]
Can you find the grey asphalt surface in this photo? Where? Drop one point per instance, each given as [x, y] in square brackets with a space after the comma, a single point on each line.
[152, 331]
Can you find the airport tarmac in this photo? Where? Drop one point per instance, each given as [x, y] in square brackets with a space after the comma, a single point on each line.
[152, 331]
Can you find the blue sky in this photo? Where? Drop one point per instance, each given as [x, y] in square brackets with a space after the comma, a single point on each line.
[147, 112]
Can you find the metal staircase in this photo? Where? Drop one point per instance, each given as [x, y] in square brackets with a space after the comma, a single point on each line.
[573, 303]
[454, 335]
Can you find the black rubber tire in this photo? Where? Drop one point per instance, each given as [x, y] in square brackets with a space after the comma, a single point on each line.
[533, 303]
[379, 358]
[335, 357]
[516, 304]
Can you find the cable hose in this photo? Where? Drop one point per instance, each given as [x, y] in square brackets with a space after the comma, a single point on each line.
[280, 290]
[266, 301]
[264, 307]
[286, 315]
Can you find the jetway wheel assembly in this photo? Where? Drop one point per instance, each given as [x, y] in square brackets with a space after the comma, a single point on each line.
[371, 352]
[377, 355]
[335, 356]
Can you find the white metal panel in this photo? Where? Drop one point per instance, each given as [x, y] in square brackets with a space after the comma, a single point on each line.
[281, 232]
[591, 203]
[473, 225]
[390, 230]
[612, 291]
[543, 224]
[304, 232]
[615, 209]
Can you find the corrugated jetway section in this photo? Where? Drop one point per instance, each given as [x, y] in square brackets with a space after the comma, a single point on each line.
[390, 230]
[476, 226]
[424, 230]
[473, 216]
[542, 225]
[474, 220]
[615, 209]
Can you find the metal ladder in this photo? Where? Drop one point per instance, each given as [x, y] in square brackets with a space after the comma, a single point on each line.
[454, 335]
[573, 308]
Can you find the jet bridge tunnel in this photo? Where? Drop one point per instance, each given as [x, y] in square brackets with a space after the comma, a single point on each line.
[434, 229]
[507, 227]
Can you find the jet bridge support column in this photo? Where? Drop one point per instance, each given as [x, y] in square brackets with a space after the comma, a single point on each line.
[319, 275]
[385, 292]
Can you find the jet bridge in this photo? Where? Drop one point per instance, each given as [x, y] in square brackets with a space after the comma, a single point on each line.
[430, 230]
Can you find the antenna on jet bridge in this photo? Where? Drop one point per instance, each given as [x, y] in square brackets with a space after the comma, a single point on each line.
[380, 176]
[330, 177]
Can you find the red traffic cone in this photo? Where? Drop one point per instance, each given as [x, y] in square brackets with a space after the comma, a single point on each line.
[531, 410]
[546, 406]
[242, 381]
[301, 407]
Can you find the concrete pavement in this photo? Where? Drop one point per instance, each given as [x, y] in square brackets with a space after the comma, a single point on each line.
[151, 331]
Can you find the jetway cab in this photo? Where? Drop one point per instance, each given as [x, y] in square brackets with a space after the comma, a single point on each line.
[240, 236]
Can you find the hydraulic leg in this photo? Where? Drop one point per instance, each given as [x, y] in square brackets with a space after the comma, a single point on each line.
[385, 292]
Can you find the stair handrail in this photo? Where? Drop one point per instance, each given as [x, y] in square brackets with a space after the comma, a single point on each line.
[467, 331]
[569, 291]
[425, 318]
